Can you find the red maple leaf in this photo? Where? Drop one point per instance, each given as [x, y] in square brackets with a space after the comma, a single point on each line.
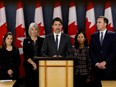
[3, 30]
[41, 28]
[72, 30]
[89, 31]
[20, 32]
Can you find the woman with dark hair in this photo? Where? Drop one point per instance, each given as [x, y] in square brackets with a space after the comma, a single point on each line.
[83, 62]
[9, 58]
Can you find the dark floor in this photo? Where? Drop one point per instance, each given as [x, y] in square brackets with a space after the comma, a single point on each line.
[22, 83]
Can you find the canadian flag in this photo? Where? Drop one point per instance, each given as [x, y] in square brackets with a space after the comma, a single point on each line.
[57, 10]
[3, 24]
[72, 24]
[90, 21]
[20, 34]
[108, 15]
[39, 18]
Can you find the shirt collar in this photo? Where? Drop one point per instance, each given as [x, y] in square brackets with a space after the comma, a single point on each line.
[104, 31]
[57, 34]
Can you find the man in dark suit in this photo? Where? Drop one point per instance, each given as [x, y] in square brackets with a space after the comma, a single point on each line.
[102, 51]
[57, 44]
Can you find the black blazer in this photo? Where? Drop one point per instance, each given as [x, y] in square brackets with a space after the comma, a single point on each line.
[107, 51]
[9, 60]
[49, 47]
[28, 48]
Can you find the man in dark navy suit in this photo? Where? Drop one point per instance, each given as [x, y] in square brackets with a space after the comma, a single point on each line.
[102, 52]
[57, 44]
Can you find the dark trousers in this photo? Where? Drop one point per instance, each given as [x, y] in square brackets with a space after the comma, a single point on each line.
[98, 76]
[17, 83]
[80, 81]
[31, 77]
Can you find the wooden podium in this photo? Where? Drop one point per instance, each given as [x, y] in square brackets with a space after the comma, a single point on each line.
[4, 83]
[110, 83]
[55, 72]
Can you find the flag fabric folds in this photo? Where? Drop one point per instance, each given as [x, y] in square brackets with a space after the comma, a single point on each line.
[20, 34]
[72, 23]
[90, 21]
[57, 10]
[108, 15]
[3, 24]
[39, 18]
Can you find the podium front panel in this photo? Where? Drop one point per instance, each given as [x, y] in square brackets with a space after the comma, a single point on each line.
[7, 83]
[55, 73]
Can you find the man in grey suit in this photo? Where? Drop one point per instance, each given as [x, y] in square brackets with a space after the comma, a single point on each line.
[103, 52]
[57, 44]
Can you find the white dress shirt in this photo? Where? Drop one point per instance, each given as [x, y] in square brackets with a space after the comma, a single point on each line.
[59, 37]
[104, 32]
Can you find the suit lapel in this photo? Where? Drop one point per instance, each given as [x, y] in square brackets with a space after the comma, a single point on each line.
[98, 38]
[105, 37]
[61, 41]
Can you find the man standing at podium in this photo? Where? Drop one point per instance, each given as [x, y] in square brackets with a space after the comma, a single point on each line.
[57, 44]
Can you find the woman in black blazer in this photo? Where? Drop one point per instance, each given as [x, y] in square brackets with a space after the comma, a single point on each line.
[9, 58]
[32, 47]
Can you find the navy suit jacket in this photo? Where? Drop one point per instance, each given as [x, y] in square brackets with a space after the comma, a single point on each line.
[49, 47]
[107, 51]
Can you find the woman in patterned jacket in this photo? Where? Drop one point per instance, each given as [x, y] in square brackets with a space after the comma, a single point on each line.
[83, 62]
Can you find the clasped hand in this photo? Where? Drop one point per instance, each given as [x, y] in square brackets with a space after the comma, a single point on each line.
[101, 65]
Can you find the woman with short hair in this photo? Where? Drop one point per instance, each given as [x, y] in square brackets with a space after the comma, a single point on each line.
[32, 47]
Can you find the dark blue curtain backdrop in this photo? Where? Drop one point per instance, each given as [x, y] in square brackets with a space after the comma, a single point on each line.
[48, 5]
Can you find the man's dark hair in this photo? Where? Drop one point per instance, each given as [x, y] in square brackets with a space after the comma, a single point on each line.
[105, 19]
[57, 19]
